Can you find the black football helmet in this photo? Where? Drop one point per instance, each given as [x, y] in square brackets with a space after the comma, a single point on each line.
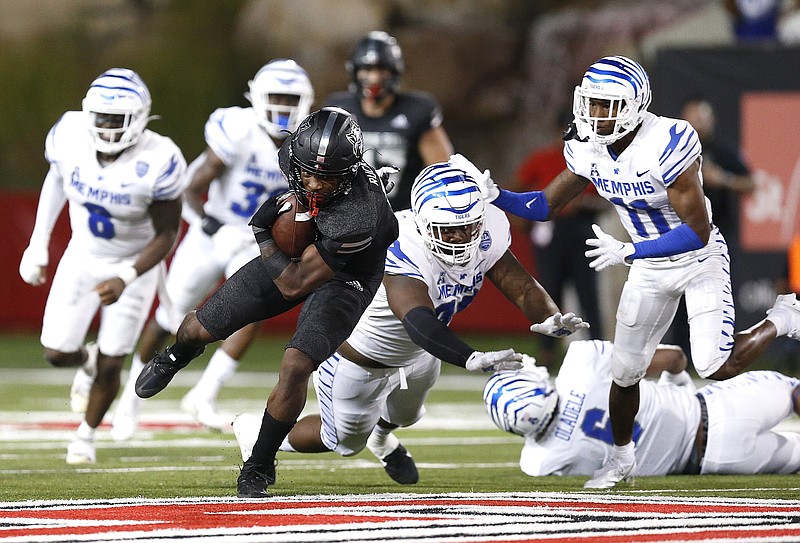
[328, 143]
[376, 49]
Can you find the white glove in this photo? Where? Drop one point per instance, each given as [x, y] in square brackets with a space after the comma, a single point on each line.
[610, 251]
[559, 325]
[494, 361]
[33, 264]
[385, 174]
[488, 187]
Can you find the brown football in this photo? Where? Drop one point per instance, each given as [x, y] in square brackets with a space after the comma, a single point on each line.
[294, 230]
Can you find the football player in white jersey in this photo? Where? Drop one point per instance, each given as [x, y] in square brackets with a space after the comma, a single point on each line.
[379, 378]
[238, 172]
[123, 183]
[649, 168]
[727, 427]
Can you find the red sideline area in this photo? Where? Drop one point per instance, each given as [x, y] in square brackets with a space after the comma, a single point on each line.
[23, 305]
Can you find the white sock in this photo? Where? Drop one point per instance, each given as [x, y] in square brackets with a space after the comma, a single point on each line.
[128, 400]
[782, 319]
[382, 442]
[624, 452]
[286, 446]
[85, 432]
[219, 370]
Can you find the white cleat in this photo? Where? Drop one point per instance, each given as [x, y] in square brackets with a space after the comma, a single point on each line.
[80, 451]
[612, 473]
[125, 423]
[246, 428]
[205, 412]
[791, 307]
[82, 383]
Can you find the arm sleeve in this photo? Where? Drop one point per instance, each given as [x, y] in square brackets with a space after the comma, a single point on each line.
[528, 205]
[680, 240]
[434, 336]
[51, 201]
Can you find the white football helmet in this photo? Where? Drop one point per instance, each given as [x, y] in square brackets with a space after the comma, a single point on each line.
[621, 81]
[280, 77]
[522, 402]
[117, 106]
[445, 197]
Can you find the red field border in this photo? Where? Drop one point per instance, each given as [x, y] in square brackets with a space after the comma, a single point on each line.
[445, 518]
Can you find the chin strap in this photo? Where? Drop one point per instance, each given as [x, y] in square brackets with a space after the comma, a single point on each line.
[571, 133]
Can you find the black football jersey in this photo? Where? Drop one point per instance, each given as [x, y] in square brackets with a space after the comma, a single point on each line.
[393, 139]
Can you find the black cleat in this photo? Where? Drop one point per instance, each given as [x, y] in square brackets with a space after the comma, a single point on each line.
[400, 466]
[157, 373]
[253, 482]
[270, 474]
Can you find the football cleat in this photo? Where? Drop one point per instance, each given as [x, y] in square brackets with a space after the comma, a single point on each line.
[82, 383]
[252, 482]
[80, 451]
[400, 466]
[246, 428]
[205, 412]
[157, 373]
[614, 471]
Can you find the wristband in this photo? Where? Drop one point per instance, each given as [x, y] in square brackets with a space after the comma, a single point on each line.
[276, 263]
[128, 274]
[210, 225]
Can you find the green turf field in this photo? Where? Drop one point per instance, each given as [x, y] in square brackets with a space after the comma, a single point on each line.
[455, 446]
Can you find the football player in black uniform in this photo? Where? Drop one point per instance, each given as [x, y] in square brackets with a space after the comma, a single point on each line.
[335, 278]
[401, 129]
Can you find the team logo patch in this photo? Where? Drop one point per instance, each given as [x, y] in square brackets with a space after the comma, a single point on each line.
[142, 168]
[486, 241]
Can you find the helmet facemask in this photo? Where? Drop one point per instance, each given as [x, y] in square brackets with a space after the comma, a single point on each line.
[327, 144]
[444, 199]
[281, 95]
[620, 83]
[117, 109]
[378, 50]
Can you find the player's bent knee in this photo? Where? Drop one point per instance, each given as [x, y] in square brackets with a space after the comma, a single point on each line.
[627, 369]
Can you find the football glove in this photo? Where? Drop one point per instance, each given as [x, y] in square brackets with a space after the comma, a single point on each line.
[489, 189]
[559, 325]
[266, 216]
[385, 174]
[33, 264]
[610, 251]
[506, 359]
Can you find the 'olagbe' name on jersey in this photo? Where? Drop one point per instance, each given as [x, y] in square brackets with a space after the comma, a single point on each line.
[97, 194]
[610, 186]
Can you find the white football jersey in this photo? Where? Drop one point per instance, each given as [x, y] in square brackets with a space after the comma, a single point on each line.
[251, 174]
[379, 334]
[579, 439]
[636, 181]
[108, 204]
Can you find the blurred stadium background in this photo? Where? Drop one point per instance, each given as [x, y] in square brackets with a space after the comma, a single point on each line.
[500, 68]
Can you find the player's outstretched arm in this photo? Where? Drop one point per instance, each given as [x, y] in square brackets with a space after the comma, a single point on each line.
[411, 304]
[516, 284]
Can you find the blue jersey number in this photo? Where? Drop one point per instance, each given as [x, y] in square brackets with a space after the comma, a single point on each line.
[635, 209]
[447, 311]
[254, 192]
[594, 427]
[100, 224]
